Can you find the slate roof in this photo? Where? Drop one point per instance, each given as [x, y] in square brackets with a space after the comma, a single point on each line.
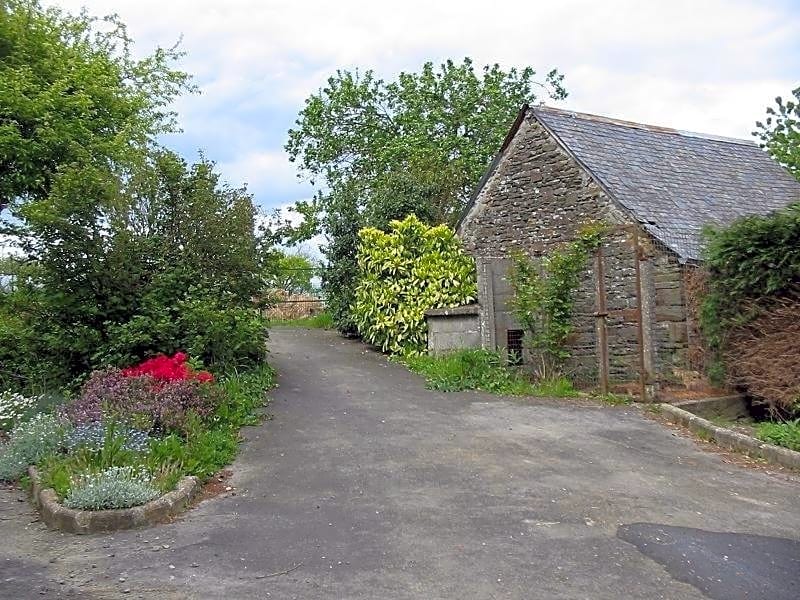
[673, 182]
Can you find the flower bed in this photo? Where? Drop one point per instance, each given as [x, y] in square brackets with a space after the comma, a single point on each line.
[132, 434]
[14, 408]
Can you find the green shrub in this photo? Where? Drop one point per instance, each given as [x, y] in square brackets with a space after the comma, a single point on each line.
[115, 487]
[482, 370]
[754, 259]
[748, 314]
[201, 454]
[57, 472]
[23, 365]
[781, 434]
[403, 273]
[242, 394]
[219, 335]
[30, 443]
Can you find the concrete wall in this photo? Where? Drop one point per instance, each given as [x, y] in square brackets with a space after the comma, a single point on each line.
[536, 200]
[453, 329]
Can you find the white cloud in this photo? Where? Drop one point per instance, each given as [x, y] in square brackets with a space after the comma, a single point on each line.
[709, 66]
[258, 168]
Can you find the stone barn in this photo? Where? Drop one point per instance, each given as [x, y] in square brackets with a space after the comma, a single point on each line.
[655, 187]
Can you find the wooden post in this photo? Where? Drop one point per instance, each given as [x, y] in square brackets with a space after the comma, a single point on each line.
[600, 319]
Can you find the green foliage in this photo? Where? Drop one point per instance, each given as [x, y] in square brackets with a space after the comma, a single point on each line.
[751, 264]
[126, 250]
[403, 273]
[30, 443]
[468, 370]
[555, 387]
[482, 370]
[384, 150]
[544, 298]
[613, 399]
[290, 273]
[56, 472]
[172, 265]
[74, 99]
[201, 454]
[342, 222]
[323, 320]
[781, 434]
[437, 127]
[780, 132]
[115, 487]
[201, 450]
[243, 394]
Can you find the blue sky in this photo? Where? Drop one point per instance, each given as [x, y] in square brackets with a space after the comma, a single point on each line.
[709, 66]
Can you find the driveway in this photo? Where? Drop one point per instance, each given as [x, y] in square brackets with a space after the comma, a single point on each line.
[365, 485]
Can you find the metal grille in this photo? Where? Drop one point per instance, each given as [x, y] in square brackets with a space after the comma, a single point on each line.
[514, 346]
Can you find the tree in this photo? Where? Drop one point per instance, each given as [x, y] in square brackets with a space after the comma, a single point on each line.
[172, 264]
[290, 273]
[417, 144]
[342, 222]
[440, 124]
[74, 98]
[126, 250]
[780, 132]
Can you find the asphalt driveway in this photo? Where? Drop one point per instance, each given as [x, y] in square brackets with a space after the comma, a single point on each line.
[365, 485]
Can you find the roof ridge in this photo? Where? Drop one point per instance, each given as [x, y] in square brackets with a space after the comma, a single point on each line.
[643, 126]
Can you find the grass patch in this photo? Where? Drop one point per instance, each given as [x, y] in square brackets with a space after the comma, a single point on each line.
[482, 370]
[321, 321]
[704, 435]
[613, 399]
[781, 434]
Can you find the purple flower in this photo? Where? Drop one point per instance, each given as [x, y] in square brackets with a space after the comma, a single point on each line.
[143, 401]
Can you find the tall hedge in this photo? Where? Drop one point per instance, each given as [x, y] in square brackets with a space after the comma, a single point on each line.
[753, 277]
[404, 272]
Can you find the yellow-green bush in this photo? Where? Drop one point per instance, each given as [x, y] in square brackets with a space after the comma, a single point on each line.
[403, 273]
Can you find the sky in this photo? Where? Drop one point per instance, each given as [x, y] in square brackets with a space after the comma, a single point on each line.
[708, 66]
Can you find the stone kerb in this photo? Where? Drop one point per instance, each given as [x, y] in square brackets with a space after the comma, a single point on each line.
[57, 516]
[732, 440]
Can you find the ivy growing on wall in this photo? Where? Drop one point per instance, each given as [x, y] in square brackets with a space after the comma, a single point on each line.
[404, 272]
[544, 298]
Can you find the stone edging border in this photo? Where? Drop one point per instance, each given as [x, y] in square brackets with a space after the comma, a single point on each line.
[57, 516]
[732, 440]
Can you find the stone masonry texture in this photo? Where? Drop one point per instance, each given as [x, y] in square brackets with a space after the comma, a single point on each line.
[537, 199]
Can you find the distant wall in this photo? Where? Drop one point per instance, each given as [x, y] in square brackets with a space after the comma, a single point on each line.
[453, 328]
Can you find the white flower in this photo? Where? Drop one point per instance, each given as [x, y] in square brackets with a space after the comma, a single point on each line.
[14, 407]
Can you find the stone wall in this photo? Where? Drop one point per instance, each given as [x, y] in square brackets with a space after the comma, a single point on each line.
[668, 320]
[453, 329]
[537, 199]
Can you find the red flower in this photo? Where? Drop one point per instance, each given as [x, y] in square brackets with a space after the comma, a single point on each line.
[166, 368]
[204, 377]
